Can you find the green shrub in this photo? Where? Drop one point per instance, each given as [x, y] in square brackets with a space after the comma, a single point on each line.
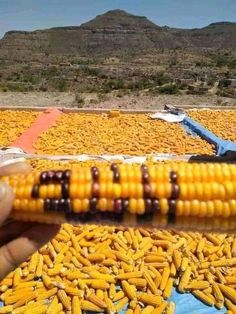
[161, 79]
[90, 71]
[171, 89]
[101, 97]
[18, 87]
[60, 85]
[79, 100]
[113, 84]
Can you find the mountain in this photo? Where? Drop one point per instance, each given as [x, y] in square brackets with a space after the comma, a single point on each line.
[114, 32]
[215, 35]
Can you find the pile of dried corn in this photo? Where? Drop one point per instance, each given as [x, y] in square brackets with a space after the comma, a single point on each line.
[222, 123]
[128, 134]
[100, 269]
[13, 124]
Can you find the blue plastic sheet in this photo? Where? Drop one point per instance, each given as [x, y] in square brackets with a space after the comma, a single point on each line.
[188, 304]
[188, 130]
[222, 146]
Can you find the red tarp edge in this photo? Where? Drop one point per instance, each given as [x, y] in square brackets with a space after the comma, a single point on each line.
[47, 118]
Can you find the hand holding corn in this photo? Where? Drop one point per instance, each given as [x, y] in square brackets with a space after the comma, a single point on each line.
[18, 240]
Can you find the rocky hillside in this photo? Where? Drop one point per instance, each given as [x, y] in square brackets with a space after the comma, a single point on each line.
[215, 35]
[114, 32]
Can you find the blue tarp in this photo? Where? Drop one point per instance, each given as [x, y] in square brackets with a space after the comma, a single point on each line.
[188, 304]
[188, 130]
[222, 146]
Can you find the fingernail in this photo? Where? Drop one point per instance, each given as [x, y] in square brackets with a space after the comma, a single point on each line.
[2, 191]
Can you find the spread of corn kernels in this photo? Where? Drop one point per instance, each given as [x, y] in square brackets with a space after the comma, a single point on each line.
[221, 123]
[129, 134]
[107, 269]
[13, 124]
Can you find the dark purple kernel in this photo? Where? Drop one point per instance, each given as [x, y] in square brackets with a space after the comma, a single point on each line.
[93, 204]
[67, 206]
[35, 191]
[43, 177]
[155, 205]
[55, 204]
[95, 175]
[47, 205]
[145, 177]
[51, 176]
[114, 167]
[58, 176]
[94, 171]
[148, 205]
[125, 205]
[66, 175]
[171, 220]
[174, 191]
[146, 190]
[65, 190]
[118, 206]
[95, 190]
[116, 177]
[144, 168]
[172, 207]
[61, 205]
[173, 177]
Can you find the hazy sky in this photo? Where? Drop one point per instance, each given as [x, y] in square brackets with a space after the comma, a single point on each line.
[38, 14]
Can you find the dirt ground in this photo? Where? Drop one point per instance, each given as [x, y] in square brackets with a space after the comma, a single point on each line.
[57, 99]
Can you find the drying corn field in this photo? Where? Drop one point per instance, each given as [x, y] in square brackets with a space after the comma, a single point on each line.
[104, 269]
[13, 124]
[127, 134]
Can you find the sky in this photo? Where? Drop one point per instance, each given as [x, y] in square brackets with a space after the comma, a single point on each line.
[39, 14]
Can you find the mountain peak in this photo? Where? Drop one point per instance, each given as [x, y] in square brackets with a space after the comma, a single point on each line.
[115, 32]
[116, 12]
[119, 18]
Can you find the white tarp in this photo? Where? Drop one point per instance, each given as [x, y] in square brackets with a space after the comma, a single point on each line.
[168, 117]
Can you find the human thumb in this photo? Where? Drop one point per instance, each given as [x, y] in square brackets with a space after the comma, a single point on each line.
[6, 199]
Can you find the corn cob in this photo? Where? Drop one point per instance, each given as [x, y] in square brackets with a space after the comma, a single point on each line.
[129, 290]
[170, 308]
[119, 295]
[173, 190]
[138, 282]
[97, 301]
[119, 306]
[89, 306]
[198, 285]
[76, 306]
[230, 306]
[160, 309]
[168, 288]
[150, 299]
[184, 280]
[229, 292]
[6, 309]
[62, 296]
[150, 282]
[148, 309]
[203, 297]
